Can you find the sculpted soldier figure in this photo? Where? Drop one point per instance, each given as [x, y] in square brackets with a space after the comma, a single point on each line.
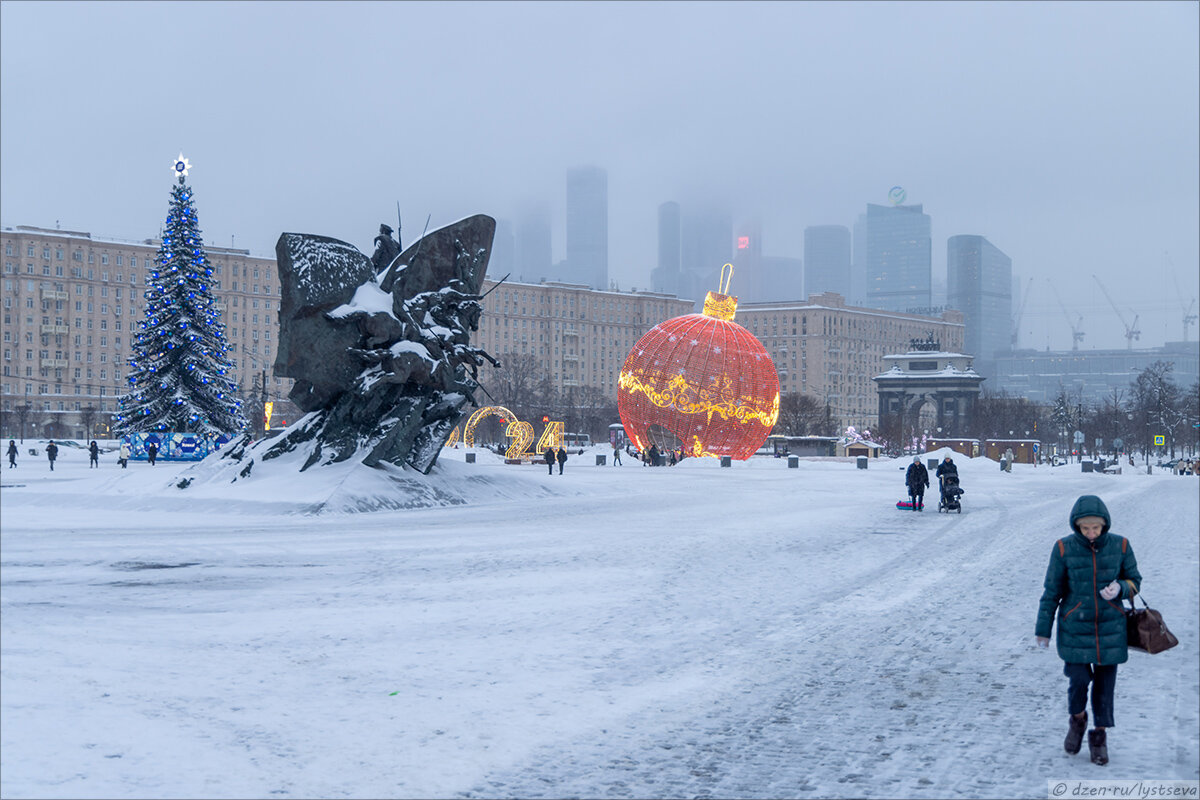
[386, 249]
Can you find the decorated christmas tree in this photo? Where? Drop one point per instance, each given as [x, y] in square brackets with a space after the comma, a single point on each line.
[180, 378]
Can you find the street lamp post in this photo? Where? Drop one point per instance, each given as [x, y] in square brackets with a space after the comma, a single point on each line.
[23, 411]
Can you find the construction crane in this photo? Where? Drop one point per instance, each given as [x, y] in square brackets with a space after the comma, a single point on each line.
[1076, 334]
[1188, 317]
[1131, 331]
[1016, 330]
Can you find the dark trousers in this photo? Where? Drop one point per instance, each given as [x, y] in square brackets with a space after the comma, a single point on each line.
[551, 466]
[918, 498]
[1103, 678]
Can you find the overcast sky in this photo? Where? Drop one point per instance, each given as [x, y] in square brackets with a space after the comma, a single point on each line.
[1068, 133]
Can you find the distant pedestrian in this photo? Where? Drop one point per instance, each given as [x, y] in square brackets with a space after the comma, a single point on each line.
[12, 453]
[52, 453]
[1008, 459]
[562, 459]
[917, 479]
[616, 455]
[93, 455]
[549, 458]
[151, 452]
[124, 455]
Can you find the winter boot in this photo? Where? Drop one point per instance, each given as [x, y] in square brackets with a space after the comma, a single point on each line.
[1098, 746]
[1075, 733]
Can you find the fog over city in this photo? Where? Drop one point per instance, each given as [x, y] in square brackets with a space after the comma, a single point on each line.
[1068, 134]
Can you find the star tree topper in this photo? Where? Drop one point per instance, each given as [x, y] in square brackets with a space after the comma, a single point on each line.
[181, 167]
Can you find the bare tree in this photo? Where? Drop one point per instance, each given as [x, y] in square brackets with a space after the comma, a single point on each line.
[519, 384]
[891, 433]
[1191, 416]
[596, 412]
[87, 415]
[1108, 421]
[803, 415]
[1158, 404]
[1066, 417]
[996, 415]
[23, 416]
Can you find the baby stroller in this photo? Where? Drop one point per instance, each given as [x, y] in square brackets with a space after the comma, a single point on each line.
[950, 492]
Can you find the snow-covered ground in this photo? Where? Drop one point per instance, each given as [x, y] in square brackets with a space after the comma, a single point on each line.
[684, 631]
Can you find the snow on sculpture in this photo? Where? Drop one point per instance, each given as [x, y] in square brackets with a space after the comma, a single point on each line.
[379, 348]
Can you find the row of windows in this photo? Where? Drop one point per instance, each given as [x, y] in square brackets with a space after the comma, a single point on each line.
[77, 255]
[46, 404]
[543, 298]
[44, 372]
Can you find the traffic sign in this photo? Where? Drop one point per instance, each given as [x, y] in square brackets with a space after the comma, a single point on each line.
[1159, 441]
[1078, 437]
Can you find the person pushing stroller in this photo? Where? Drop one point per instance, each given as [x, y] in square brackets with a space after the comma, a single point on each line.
[948, 489]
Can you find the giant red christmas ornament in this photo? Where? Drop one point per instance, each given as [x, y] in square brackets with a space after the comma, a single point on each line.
[701, 382]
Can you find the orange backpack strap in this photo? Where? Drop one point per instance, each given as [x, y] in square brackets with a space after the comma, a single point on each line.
[1124, 544]
[1062, 550]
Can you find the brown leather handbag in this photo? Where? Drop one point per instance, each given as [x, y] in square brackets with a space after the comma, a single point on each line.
[1146, 631]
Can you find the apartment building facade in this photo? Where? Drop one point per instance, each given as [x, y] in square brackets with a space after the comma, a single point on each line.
[824, 348]
[71, 306]
[72, 302]
[579, 336]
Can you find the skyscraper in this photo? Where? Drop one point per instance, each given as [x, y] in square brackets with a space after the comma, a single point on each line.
[827, 260]
[750, 283]
[503, 249]
[898, 263]
[665, 277]
[979, 284]
[587, 227]
[532, 255]
[707, 245]
[858, 263]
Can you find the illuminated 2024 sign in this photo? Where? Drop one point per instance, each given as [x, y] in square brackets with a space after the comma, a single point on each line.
[520, 433]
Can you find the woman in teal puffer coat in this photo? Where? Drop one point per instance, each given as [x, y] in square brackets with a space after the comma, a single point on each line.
[1090, 573]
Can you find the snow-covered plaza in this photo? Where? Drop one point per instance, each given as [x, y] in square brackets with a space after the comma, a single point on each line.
[756, 631]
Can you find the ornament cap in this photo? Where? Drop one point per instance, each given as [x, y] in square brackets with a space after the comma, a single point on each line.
[720, 306]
